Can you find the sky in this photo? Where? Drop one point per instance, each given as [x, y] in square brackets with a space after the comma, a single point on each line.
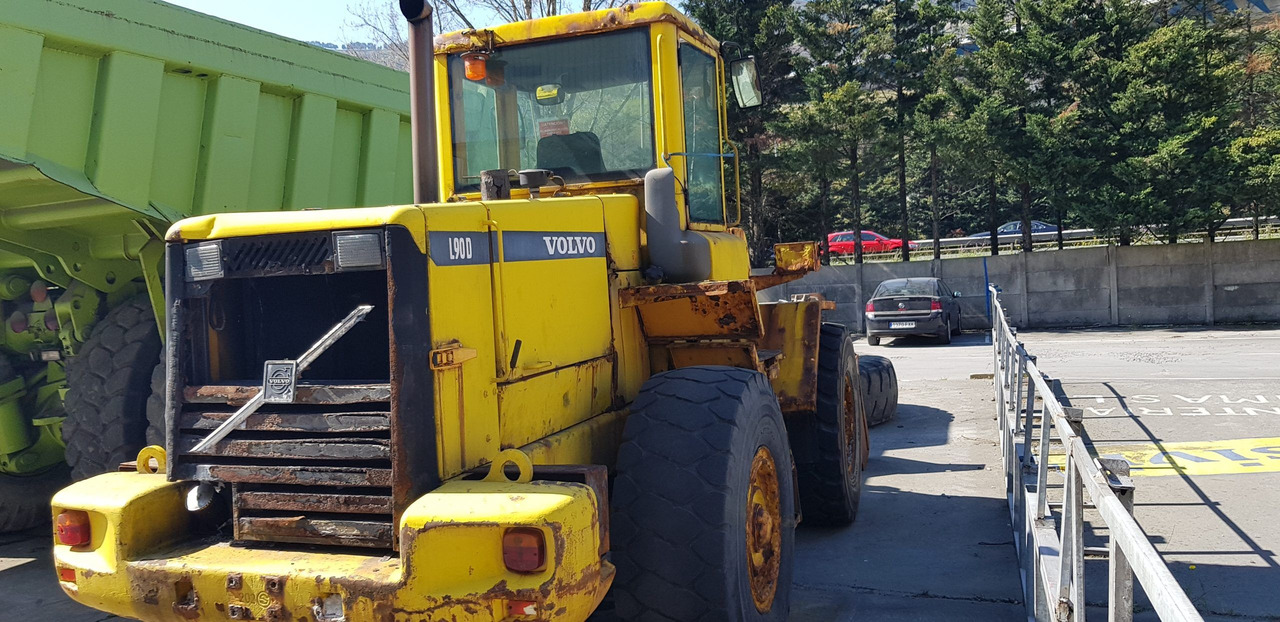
[305, 20]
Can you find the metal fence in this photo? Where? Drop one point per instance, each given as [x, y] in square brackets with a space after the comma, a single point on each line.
[1049, 535]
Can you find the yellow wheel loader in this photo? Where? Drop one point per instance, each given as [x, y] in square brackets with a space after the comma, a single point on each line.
[547, 382]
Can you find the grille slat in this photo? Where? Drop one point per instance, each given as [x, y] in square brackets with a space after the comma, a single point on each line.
[268, 255]
[293, 448]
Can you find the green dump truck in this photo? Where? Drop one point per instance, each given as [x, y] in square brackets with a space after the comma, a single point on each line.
[117, 118]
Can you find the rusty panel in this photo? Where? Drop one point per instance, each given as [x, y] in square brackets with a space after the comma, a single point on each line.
[294, 449]
[740, 354]
[305, 475]
[238, 395]
[313, 502]
[708, 310]
[792, 261]
[293, 422]
[303, 530]
[793, 328]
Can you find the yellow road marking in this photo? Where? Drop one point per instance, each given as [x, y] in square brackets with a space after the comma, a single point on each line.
[1245, 455]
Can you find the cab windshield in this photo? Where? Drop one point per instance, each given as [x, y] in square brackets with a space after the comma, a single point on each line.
[579, 107]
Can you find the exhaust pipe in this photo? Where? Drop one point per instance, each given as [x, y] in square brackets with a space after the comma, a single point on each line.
[426, 168]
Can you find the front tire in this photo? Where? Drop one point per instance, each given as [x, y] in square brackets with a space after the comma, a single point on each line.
[108, 385]
[835, 444]
[703, 518]
[873, 340]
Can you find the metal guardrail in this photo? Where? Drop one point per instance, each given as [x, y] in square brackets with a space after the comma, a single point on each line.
[1051, 550]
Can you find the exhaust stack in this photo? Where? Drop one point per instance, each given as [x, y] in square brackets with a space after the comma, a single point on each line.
[426, 168]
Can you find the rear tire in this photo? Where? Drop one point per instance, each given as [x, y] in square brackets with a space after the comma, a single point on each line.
[829, 465]
[108, 385]
[704, 468]
[946, 331]
[873, 340]
[879, 388]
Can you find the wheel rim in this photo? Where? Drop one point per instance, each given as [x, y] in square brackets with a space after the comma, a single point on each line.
[764, 530]
[849, 421]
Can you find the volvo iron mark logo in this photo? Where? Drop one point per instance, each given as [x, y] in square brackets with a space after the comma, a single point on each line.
[278, 381]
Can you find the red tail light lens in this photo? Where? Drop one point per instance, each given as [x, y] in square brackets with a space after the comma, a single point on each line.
[67, 574]
[524, 549]
[870, 307]
[935, 306]
[72, 528]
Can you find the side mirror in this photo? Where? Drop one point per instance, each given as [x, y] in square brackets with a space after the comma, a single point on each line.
[956, 294]
[746, 82]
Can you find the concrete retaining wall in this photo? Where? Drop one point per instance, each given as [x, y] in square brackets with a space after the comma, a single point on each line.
[1222, 282]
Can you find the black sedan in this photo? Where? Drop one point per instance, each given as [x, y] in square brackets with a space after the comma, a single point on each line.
[916, 306]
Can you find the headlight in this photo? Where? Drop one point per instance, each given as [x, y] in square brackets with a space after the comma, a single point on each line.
[204, 261]
[357, 250]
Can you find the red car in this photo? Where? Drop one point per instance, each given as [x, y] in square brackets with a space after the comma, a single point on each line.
[843, 242]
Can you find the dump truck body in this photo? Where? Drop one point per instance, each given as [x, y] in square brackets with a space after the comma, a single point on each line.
[124, 116]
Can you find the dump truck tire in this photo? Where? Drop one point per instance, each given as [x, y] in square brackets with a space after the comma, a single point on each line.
[108, 385]
[155, 407]
[830, 466]
[879, 388]
[24, 499]
[703, 483]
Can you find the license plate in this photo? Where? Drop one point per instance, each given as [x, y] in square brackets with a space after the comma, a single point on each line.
[902, 324]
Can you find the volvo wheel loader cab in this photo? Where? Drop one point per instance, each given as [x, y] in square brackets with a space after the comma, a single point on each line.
[547, 378]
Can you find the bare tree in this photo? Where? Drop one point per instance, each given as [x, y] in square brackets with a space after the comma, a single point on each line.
[376, 30]
[520, 10]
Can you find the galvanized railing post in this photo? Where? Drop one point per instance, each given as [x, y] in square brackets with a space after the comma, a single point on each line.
[1120, 574]
[1029, 406]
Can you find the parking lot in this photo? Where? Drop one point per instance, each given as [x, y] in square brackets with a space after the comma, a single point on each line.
[1196, 411]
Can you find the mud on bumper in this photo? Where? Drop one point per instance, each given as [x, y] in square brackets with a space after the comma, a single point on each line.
[142, 561]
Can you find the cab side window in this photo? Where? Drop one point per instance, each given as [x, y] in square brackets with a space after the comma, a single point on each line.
[703, 167]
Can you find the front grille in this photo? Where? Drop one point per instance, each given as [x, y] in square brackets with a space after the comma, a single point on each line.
[297, 253]
[315, 472]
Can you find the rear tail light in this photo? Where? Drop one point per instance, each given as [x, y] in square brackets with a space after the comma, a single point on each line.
[870, 307]
[935, 306]
[524, 549]
[72, 528]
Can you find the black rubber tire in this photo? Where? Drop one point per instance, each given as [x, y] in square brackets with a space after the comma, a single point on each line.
[946, 332]
[873, 340]
[155, 407]
[829, 467]
[956, 330]
[108, 385]
[24, 500]
[679, 500]
[879, 388]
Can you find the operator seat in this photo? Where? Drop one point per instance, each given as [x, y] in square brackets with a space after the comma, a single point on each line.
[577, 154]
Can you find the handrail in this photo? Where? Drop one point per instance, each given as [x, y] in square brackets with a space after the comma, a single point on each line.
[1051, 551]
